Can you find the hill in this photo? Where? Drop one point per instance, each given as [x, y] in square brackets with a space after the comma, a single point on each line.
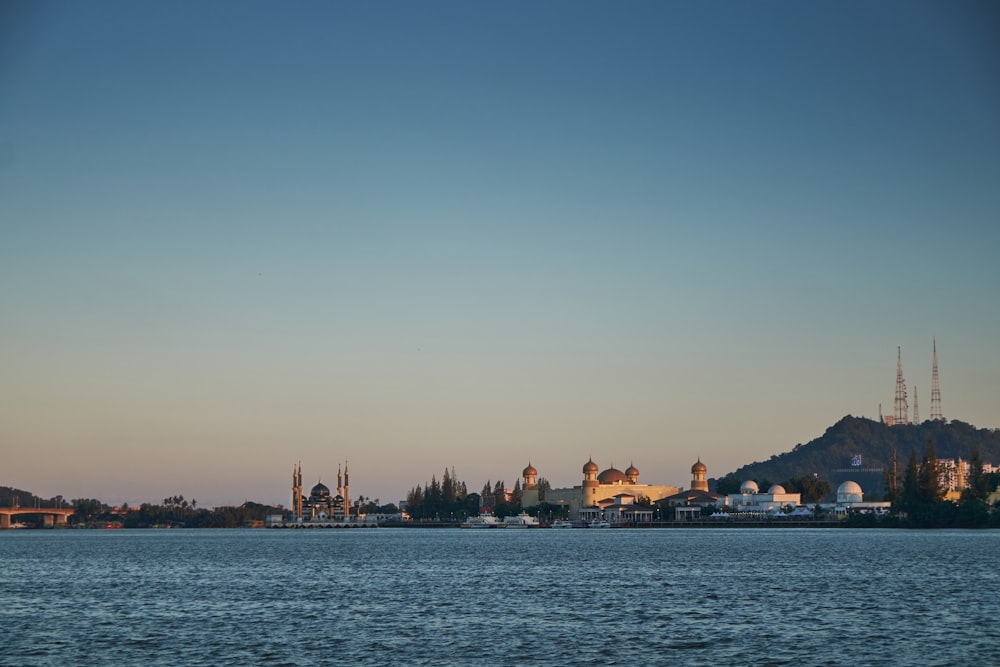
[9, 496]
[834, 455]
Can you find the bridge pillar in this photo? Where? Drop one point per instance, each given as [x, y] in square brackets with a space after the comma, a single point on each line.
[48, 520]
[4, 520]
[61, 519]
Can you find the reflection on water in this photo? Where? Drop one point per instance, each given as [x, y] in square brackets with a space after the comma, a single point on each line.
[541, 597]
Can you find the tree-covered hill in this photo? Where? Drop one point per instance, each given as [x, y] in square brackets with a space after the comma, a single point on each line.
[10, 496]
[875, 443]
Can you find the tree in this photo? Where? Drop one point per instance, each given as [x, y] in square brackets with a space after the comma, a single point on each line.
[928, 479]
[543, 488]
[415, 502]
[811, 488]
[447, 488]
[728, 484]
[909, 499]
[978, 487]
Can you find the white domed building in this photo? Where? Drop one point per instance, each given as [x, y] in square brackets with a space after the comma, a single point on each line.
[851, 500]
[849, 492]
[751, 500]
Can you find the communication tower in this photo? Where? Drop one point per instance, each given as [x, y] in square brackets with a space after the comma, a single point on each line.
[935, 390]
[916, 410]
[902, 412]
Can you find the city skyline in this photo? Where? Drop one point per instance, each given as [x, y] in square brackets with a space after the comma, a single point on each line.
[238, 236]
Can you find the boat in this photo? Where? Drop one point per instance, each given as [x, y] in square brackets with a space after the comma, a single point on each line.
[522, 520]
[486, 520]
[562, 523]
[599, 523]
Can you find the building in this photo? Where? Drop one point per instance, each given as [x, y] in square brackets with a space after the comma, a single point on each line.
[850, 500]
[320, 508]
[689, 504]
[751, 500]
[598, 492]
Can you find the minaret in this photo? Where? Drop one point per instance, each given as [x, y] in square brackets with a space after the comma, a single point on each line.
[698, 481]
[347, 493]
[902, 412]
[340, 486]
[916, 410]
[935, 389]
[297, 491]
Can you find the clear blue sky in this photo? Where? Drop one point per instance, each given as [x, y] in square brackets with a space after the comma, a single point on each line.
[234, 236]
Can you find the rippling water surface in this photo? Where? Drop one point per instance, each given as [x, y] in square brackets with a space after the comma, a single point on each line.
[506, 597]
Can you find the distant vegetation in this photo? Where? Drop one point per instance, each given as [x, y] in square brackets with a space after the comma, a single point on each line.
[918, 500]
[450, 500]
[447, 500]
[876, 444]
[912, 485]
[173, 512]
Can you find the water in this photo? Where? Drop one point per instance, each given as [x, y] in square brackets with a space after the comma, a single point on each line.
[535, 597]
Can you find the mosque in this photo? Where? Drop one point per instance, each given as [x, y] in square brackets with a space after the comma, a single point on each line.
[320, 505]
[599, 493]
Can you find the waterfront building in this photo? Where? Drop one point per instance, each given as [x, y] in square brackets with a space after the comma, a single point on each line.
[599, 492]
[320, 507]
[688, 504]
[621, 509]
[751, 500]
[850, 500]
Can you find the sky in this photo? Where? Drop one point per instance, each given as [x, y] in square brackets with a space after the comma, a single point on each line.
[419, 236]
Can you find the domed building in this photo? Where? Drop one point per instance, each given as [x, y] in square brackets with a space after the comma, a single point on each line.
[698, 472]
[610, 494]
[851, 500]
[689, 504]
[750, 499]
[320, 505]
[850, 492]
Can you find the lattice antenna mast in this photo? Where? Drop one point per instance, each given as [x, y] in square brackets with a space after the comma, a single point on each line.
[902, 412]
[916, 410]
[935, 390]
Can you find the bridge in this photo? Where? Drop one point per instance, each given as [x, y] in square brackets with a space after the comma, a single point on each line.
[52, 516]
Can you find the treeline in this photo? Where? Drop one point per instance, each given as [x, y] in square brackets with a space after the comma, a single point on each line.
[918, 500]
[877, 444]
[445, 500]
[450, 500]
[11, 497]
[174, 512]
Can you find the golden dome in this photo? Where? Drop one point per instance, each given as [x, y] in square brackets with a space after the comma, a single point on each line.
[699, 467]
[612, 476]
[589, 466]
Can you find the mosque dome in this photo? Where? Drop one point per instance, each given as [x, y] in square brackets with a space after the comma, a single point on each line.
[631, 470]
[589, 466]
[849, 492]
[530, 470]
[321, 490]
[699, 467]
[776, 489]
[612, 476]
[749, 486]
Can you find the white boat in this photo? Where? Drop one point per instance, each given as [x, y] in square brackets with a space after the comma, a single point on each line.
[522, 520]
[562, 523]
[482, 521]
[599, 523]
